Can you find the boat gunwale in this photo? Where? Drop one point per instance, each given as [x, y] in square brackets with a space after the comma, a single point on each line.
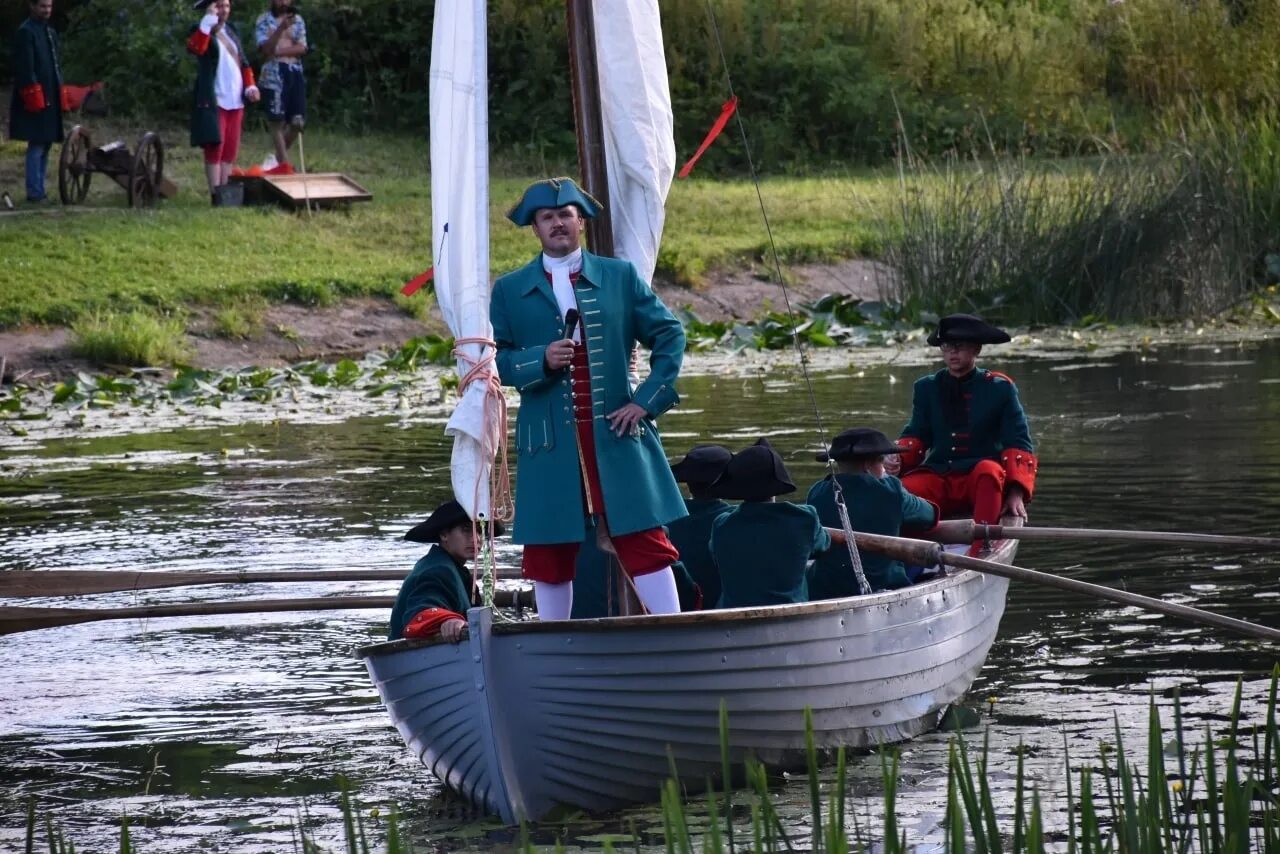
[998, 553]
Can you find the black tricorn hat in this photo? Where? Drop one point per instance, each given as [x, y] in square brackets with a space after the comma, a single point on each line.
[201, 5]
[754, 474]
[966, 329]
[702, 465]
[448, 515]
[858, 442]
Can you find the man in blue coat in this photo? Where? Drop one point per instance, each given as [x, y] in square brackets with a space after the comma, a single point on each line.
[35, 111]
[566, 326]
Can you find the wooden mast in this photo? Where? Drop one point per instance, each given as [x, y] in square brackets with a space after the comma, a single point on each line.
[585, 81]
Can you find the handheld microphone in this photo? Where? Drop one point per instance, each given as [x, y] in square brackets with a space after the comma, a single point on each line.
[571, 318]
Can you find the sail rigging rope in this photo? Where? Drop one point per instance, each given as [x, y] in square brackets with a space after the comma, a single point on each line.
[841, 508]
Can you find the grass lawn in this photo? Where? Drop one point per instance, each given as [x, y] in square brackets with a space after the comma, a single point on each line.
[59, 264]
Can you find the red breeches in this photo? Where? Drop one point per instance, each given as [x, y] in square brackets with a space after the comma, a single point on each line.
[229, 125]
[979, 492]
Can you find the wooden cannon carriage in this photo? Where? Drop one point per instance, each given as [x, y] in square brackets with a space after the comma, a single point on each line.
[140, 172]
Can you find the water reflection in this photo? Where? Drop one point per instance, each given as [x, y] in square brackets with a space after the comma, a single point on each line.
[210, 736]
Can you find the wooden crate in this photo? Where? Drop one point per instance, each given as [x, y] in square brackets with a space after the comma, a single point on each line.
[324, 189]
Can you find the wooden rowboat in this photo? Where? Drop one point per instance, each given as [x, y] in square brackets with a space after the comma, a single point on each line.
[522, 718]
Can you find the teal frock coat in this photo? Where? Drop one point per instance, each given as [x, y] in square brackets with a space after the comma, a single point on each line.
[876, 506]
[35, 60]
[618, 311]
[762, 549]
[692, 538]
[437, 581]
[996, 421]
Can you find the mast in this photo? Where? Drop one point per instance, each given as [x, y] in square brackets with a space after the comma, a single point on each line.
[588, 120]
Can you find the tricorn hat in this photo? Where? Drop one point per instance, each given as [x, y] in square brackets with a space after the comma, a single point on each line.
[552, 193]
[859, 442]
[448, 515]
[754, 474]
[201, 5]
[966, 329]
[702, 465]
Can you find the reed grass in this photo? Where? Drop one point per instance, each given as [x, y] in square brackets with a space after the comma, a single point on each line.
[136, 339]
[1221, 796]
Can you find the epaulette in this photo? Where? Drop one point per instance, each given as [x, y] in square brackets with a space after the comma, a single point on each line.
[991, 375]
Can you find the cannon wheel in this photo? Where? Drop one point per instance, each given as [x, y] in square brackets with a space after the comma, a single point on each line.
[73, 167]
[148, 171]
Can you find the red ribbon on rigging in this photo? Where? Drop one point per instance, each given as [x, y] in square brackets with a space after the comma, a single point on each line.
[415, 284]
[726, 112]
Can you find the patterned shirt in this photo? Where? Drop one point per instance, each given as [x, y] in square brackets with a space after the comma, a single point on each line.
[297, 34]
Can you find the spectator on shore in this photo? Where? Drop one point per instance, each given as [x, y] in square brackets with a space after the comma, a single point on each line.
[224, 81]
[281, 35]
[35, 110]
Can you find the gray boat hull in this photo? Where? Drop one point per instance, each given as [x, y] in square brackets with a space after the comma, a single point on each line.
[522, 718]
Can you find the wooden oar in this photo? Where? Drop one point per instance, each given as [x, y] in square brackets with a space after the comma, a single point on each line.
[966, 531]
[21, 584]
[924, 553]
[14, 620]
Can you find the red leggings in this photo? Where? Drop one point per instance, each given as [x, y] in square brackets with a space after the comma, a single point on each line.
[979, 491]
[229, 124]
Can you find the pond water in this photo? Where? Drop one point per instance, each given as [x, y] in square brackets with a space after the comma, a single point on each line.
[225, 734]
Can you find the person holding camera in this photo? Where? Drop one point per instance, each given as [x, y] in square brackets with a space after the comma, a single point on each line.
[224, 81]
[282, 40]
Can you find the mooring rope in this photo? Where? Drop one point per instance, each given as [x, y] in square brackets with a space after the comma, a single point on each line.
[841, 508]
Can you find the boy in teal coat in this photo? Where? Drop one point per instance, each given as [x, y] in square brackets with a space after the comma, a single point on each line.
[876, 502]
[763, 546]
[35, 110]
[566, 325]
[435, 596]
[699, 470]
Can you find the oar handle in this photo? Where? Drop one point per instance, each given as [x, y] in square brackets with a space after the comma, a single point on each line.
[966, 531]
[916, 552]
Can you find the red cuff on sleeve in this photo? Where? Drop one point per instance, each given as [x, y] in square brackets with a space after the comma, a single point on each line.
[33, 98]
[1020, 467]
[198, 43]
[913, 455]
[247, 74]
[426, 623]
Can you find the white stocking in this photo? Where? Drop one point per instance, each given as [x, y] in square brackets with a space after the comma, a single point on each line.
[657, 592]
[555, 601]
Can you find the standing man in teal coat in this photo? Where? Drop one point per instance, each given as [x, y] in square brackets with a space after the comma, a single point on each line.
[35, 111]
[566, 325]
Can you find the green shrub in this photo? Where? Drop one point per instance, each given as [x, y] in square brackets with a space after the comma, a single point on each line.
[135, 339]
[243, 319]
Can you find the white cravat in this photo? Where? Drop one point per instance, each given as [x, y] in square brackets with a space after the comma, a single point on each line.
[560, 270]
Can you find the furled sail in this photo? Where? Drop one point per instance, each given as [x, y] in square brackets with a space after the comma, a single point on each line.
[635, 100]
[460, 239]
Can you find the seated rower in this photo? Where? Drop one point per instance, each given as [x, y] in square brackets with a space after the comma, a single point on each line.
[435, 596]
[877, 504]
[762, 547]
[967, 447]
[591, 581]
[691, 536]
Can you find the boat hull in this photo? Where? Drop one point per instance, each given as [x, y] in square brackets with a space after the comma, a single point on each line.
[527, 717]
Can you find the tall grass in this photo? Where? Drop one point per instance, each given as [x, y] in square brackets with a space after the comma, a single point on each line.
[1219, 797]
[135, 338]
[1184, 233]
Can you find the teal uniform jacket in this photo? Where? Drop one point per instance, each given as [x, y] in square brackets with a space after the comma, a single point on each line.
[205, 129]
[618, 311]
[437, 581]
[591, 583]
[762, 549]
[876, 506]
[991, 421]
[35, 60]
[692, 538]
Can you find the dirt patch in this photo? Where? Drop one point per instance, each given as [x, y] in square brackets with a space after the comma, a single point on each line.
[292, 333]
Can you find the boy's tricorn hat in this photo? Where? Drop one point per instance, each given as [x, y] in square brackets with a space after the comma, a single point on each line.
[552, 193]
[754, 474]
[448, 515]
[966, 329]
[702, 465]
[859, 442]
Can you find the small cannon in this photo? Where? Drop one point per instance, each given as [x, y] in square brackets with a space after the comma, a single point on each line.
[140, 173]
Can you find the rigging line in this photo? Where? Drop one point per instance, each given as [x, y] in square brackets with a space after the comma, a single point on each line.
[838, 493]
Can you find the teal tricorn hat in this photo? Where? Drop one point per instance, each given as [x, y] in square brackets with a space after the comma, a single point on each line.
[552, 193]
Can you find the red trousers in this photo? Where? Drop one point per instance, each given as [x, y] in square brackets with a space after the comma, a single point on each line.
[229, 125]
[639, 553]
[979, 491]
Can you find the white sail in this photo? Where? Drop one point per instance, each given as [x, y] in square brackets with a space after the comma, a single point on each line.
[639, 141]
[460, 231]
